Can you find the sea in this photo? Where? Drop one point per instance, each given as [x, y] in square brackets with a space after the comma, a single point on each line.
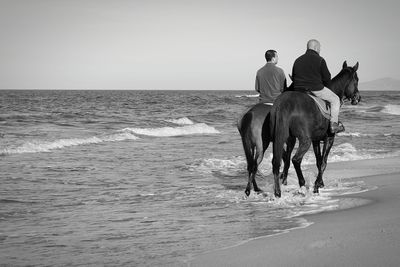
[154, 178]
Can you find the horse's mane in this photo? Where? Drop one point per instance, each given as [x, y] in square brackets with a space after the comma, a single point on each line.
[342, 73]
[338, 82]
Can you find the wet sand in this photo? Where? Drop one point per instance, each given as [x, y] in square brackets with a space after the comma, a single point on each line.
[367, 235]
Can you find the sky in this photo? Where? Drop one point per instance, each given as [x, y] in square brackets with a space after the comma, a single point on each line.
[190, 45]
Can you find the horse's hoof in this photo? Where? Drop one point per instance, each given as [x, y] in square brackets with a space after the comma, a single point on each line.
[247, 192]
[316, 190]
[302, 191]
[319, 184]
[258, 191]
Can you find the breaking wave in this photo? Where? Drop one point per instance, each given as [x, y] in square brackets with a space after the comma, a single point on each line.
[196, 128]
[181, 121]
[248, 96]
[357, 134]
[392, 109]
[234, 165]
[46, 146]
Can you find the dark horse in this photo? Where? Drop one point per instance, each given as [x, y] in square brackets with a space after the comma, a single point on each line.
[254, 128]
[295, 115]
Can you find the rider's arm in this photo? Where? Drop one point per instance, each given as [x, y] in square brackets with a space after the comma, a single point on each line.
[257, 85]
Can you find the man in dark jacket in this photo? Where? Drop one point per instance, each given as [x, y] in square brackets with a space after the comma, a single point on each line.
[310, 73]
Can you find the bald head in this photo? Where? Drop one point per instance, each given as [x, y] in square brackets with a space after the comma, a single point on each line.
[314, 45]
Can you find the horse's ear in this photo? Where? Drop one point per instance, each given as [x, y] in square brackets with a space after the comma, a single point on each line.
[355, 68]
[344, 64]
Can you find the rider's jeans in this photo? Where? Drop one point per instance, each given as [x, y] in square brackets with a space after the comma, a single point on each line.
[331, 97]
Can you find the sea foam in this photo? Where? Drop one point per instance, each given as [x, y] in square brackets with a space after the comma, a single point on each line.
[355, 134]
[230, 165]
[181, 121]
[234, 165]
[248, 96]
[392, 109]
[197, 128]
[46, 146]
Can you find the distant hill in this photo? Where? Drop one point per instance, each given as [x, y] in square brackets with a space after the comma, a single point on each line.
[384, 84]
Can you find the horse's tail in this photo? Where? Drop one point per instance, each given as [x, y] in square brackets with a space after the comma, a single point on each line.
[279, 134]
[272, 123]
[244, 127]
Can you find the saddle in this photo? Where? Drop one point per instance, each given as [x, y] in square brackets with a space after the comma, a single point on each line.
[323, 106]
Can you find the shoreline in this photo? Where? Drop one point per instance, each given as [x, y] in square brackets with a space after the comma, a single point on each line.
[362, 235]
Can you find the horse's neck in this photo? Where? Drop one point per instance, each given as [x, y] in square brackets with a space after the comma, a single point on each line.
[338, 85]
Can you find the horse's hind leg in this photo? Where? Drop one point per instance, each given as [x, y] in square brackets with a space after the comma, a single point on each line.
[276, 165]
[286, 158]
[328, 142]
[318, 157]
[251, 181]
[259, 158]
[304, 145]
[251, 169]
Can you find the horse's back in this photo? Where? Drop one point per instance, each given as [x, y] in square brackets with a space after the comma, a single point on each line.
[256, 113]
[295, 98]
[300, 113]
[261, 110]
[297, 104]
[254, 120]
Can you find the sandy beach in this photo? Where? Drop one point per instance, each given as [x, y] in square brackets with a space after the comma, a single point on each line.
[366, 235]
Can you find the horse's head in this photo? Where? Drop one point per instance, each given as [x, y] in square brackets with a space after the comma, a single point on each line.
[351, 90]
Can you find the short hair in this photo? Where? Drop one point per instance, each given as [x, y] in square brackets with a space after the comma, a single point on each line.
[270, 54]
[314, 45]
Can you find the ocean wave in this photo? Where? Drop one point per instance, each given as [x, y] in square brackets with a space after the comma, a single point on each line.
[197, 128]
[358, 134]
[298, 201]
[248, 96]
[355, 134]
[234, 165]
[181, 121]
[347, 152]
[210, 165]
[392, 109]
[46, 146]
